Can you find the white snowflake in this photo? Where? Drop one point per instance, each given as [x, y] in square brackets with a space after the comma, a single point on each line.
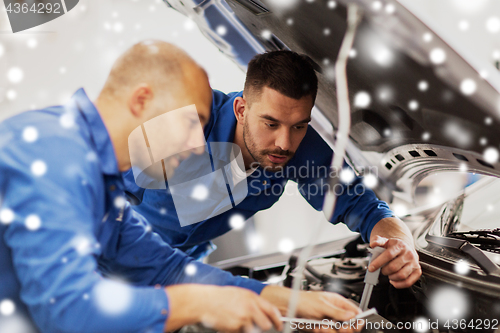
[400, 210]
[462, 267]
[468, 87]
[200, 192]
[7, 307]
[221, 30]
[85, 296]
[346, 176]
[286, 245]
[326, 31]
[111, 297]
[32, 43]
[413, 105]
[390, 8]
[463, 167]
[483, 141]
[426, 136]
[190, 269]
[266, 34]
[255, 242]
[376, 5]
[423, 85]
[6, 216]
[331, 4]
[488, 120]
[30, 134]
[370, 180]
[437, 56]
[427, 37]
[62, 70]
[189, 25]
[237, 221]
[15, 75]
[289, 21]
[449, 303]
[382, 55]
[463, 25]
[91, 156]
[163, 211]
[33, 222]
[119, 202]
[362, 99]
[353, 53]
[491, 155]
[118, 27]
[82, 245]
[496, 54]
[38, 168]
[421, 325]
[329, 73]
[67, 120]
[493, 24]
[458, 133]
[11, 94]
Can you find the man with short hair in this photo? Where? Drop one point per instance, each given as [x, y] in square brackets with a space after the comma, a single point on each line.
[74, 257]
[268, 121]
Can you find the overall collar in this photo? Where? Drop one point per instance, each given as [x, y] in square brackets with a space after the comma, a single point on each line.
[98, 133]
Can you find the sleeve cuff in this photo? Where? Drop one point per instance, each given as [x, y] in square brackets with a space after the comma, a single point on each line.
[158, 303]
[250, 284]
[374, 219]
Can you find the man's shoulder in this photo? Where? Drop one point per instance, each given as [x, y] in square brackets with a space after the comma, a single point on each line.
[221, 99]
[34, 129]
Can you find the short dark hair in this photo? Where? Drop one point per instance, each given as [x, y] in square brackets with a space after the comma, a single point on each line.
[287, 72]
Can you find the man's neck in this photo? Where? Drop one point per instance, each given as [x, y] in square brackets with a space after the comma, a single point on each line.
[107, 110]
[238, 139]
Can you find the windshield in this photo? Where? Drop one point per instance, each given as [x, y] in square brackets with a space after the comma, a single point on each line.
[472, 216]
[481, 206]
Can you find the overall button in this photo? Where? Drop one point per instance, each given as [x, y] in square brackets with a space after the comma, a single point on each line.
[264, 182]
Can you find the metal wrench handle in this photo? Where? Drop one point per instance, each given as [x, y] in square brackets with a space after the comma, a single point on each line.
[371, 280]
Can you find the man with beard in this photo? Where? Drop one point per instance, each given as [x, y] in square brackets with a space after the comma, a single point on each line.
[268, 121]
[74, 257]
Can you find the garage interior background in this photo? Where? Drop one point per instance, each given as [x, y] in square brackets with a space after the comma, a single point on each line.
[44, 65]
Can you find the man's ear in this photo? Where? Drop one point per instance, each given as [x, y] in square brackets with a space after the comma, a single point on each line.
[239, 107]
[139, 99]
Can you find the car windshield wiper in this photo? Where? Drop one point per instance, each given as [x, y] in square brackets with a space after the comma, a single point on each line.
[485, 263]
[487, 239]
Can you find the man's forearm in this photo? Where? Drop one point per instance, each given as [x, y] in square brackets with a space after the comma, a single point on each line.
[392, 227]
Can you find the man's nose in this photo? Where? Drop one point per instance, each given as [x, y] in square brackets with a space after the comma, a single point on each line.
[283, 140]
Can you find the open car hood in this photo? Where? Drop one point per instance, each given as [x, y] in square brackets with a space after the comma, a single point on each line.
[431, 107]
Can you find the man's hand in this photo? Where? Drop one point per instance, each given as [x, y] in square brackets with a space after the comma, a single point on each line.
[225, 309]
[400, 260]
[314, 305]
